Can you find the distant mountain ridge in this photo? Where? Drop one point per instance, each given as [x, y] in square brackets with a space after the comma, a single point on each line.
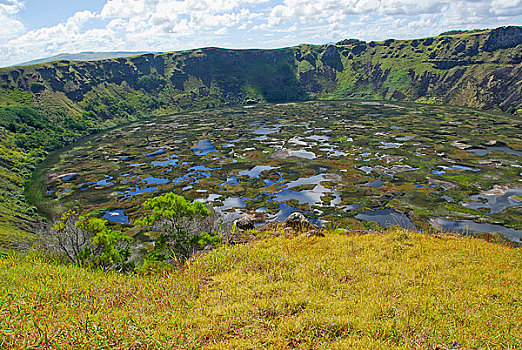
[82, 56]
[474, 69]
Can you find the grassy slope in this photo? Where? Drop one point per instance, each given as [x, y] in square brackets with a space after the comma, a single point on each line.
[380, 291]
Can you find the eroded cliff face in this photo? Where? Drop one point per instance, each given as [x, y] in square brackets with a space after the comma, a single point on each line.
[477, 70]
[469, 69]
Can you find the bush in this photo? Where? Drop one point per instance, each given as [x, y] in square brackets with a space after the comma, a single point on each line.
[88, 242]
[177, 225]
[37, 87]
[350, 42]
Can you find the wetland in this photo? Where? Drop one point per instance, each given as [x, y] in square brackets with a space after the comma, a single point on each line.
[349, 164]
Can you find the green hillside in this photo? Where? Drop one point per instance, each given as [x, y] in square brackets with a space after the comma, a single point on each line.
[46, 106]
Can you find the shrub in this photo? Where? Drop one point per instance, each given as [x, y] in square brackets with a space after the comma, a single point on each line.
[37, 87]
[87, 241]
[177, 225]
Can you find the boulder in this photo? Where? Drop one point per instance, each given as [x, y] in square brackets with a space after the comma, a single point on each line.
[317, 232]
[298, 222]
[256, 216]
[244, 224]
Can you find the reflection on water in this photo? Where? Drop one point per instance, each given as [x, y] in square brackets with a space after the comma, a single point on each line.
[453, 167]
[263, 130]
[69, 177]
[136, 190]
[469, 226]
[405, 138]
[366, 169]
[375, 184]
[167, 161]
[387, 217]
[204, 147]
[156, 153]
[233, 202]
[284, 211]
[151, 180]
[496, 203]
[256, 171]
[387, 145]
[460, 168]
[117, 216]
[105, 182]
[302, 154]
[485, 151]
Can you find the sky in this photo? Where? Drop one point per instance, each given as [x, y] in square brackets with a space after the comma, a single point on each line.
[31, 29]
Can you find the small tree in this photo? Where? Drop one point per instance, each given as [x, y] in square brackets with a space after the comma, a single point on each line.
[175, 222]
[87, 241]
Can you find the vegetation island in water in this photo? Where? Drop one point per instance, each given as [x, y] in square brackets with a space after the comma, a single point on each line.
[351, 165]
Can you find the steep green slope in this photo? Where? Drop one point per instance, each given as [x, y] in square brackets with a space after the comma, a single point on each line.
[479, 69]
[65, 100]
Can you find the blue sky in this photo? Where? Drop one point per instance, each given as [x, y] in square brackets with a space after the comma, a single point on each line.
[33, 29]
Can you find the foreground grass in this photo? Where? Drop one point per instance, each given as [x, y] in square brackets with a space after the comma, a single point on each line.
[380, 291]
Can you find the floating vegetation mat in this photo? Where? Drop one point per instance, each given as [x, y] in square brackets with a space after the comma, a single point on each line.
[349, 164]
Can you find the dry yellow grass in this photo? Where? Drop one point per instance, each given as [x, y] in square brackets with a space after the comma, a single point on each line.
[397, 290]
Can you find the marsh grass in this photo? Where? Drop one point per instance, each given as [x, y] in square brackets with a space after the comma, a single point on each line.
[393, 290]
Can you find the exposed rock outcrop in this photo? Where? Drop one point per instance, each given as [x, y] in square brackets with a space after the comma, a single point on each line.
[298, 222]
[244, 224]
[503, 38]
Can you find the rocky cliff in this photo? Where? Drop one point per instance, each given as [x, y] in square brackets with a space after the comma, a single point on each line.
[478, 69]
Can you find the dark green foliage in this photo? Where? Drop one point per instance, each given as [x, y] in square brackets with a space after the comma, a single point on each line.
[350, 42]
[454, 32]
[111, 101]
[88, 242]
[173, 218]
[173, 208]
[20, 119]
[37, 87]
[33, 128]
[151, 83]
[209, 239]
[15, 96]
[107, 250]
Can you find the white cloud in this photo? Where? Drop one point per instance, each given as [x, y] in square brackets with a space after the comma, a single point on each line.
[158, 25]
[336, 11]
[75, 23]
[221, 31]
[62, 32]
[506, 7]
[11, 7]
[127, 8]
[10, 25]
